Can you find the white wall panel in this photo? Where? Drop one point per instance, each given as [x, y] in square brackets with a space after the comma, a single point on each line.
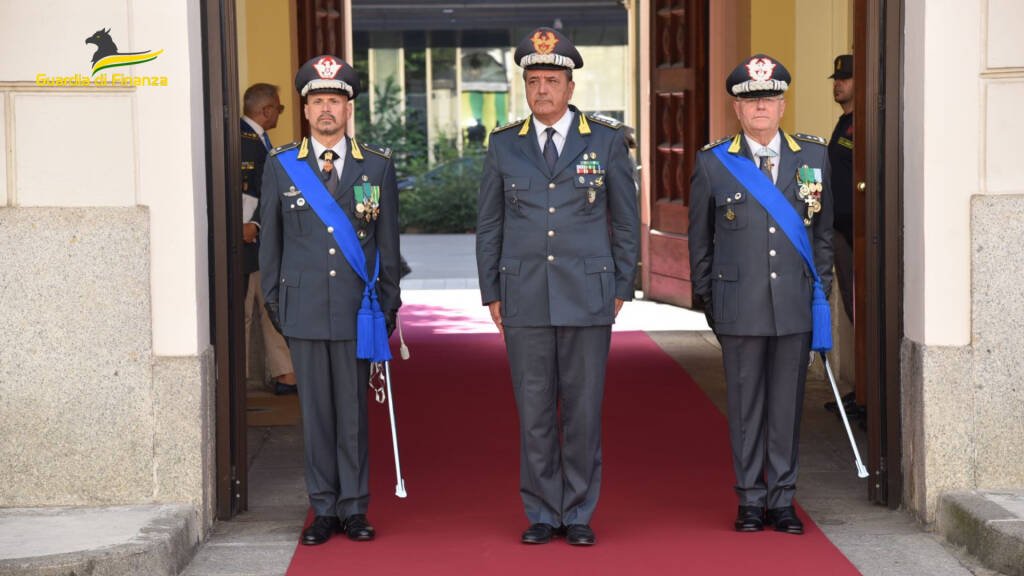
[48, 36]
[1005, 22]
[1004, 172]
[73, 149]
[3, 150]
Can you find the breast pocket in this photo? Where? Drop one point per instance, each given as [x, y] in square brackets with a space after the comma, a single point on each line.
[732, 207]
[298, 217]
[592, 188]
[515, 188]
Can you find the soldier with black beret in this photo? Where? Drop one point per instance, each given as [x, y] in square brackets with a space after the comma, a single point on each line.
[554, 277]
[329, 215]
[755, 285]
[840, 157]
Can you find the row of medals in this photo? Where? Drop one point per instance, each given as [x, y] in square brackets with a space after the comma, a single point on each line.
[369, 208]
[810, 193]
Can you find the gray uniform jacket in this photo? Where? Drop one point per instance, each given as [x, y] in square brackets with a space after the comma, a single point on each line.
[758, 282]
[304, 270]
[545, 248]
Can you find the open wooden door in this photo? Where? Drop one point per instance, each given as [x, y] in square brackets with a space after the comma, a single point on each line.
[223, 156]
[878, 241]
[324, 27]
[678, 109]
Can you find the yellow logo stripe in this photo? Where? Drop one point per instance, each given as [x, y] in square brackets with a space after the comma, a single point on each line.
[124, 60]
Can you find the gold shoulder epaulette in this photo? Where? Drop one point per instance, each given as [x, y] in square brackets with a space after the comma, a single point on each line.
[250, 135]
[378, 150]
[605, 121]
[284, 148]
[512, 124]
[711, 145]
[810, 138]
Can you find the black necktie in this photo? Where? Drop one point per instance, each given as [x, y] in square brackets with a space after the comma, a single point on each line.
[329, 173]
[766, 167]
[550, 152]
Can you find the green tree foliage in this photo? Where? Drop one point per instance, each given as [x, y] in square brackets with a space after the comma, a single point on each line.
[443, 196]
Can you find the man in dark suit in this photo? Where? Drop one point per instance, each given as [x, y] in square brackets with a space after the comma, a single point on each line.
[261, 107]
[314, 294]
[554, 275]
[756, 288]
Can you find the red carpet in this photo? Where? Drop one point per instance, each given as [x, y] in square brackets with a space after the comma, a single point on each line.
[666, 506]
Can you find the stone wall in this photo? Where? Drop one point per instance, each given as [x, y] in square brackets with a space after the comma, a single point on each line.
[963, 407]
[88, 415]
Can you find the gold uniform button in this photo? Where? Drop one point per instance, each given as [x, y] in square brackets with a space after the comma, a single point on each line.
[551, 210]
[330, 229]
[771, 230]
[774, 275]
[331, 251]
[551, 258]
[771, 252]
[551, 233]
[551, 186]
[333, 273]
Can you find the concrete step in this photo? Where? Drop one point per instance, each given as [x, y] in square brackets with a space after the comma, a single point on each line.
[989, 524]
[156, 540]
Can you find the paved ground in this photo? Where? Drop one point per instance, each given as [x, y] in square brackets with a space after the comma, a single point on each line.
[878, 541]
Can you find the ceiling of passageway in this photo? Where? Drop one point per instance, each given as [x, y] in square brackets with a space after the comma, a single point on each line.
[448, 15]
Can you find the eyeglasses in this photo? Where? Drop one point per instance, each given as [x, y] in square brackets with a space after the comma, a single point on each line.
[280, 107]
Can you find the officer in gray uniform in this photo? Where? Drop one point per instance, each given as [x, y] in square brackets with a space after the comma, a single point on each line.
[756, 288]
[313, 295]
[557, 243]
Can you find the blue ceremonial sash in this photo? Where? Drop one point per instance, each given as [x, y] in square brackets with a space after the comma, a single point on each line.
[371, 330]
[772, 199]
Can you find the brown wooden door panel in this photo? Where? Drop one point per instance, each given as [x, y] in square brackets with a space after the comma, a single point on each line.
[678, 109]
[321, 30]
[664, 257]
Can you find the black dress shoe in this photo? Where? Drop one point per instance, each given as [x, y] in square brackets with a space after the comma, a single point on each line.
[539, 533]
[580, 535]
[785, 520]
[358, 528]
[749, 519]
[281, 389]
[320, 530]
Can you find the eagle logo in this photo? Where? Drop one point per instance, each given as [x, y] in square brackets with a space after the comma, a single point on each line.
[327, 67]
[544, 42]
[107, 55]
[760, 69]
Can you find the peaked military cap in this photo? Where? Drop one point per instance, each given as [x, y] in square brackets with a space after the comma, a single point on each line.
[547, 49]
[843, 67]
[759, 76]
[327, 73]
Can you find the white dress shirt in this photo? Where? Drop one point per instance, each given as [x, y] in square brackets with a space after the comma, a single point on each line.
[561, 131]
[339, 149]
[774, 146]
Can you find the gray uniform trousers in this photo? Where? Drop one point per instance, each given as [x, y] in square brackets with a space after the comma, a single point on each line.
[558, 379]
[332, 394]
[765, 390]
